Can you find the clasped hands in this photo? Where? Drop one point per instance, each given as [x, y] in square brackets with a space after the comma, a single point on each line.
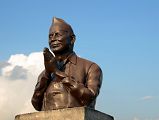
[51, 66]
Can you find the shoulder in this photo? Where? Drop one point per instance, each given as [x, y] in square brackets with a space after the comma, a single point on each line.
[86, 62]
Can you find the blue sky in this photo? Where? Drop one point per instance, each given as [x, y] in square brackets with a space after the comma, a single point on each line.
[121, 36]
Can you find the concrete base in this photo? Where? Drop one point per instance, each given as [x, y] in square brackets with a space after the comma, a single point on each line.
[77, 113]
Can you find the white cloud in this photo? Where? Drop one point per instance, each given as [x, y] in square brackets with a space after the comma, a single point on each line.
[147, 97]
[136, 118]
[17, 81]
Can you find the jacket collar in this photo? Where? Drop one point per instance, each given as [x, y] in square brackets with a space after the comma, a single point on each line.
[73, 58]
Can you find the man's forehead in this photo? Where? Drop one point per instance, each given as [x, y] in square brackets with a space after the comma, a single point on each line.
[58, 31]
[57, 28]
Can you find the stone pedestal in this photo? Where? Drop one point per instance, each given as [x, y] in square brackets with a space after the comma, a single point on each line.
[78, 113]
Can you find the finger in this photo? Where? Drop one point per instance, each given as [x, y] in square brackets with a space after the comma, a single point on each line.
[45, 49]
[47, 54]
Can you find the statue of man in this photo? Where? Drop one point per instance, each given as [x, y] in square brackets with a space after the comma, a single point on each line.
[68, 80]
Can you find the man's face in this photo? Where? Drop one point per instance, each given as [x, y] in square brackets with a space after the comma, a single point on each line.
[59, 41]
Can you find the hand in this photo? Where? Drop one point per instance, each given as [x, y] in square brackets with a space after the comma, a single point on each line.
[49, 61]
[69, 83]
[51, 64]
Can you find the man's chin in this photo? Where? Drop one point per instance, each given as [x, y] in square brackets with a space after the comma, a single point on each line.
[59, 50]
[56, 51]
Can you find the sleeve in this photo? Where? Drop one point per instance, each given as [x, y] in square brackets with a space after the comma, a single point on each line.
[40, 88]
[88, 92]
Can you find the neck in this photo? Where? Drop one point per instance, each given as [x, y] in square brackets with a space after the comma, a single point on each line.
[62, 55]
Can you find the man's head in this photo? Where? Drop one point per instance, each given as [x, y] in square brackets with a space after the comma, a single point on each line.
[61, 36]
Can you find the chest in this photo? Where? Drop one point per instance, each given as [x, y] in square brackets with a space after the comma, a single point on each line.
[76, 71]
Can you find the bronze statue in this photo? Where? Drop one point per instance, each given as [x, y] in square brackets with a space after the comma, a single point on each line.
[68, 80]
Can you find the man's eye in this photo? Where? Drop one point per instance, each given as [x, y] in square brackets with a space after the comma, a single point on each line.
[50, 36]
[55, 35]
[58, 34]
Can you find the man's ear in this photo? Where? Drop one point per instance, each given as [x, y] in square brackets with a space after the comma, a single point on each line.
[73, 38]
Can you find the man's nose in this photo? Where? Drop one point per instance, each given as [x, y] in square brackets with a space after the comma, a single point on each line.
[53, 38]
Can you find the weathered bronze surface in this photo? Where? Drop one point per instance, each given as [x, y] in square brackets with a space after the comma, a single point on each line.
[68, 80]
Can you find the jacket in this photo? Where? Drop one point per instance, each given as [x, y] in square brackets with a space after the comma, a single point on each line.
[79, 88]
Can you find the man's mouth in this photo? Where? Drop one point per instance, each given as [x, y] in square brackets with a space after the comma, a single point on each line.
[55, 44]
